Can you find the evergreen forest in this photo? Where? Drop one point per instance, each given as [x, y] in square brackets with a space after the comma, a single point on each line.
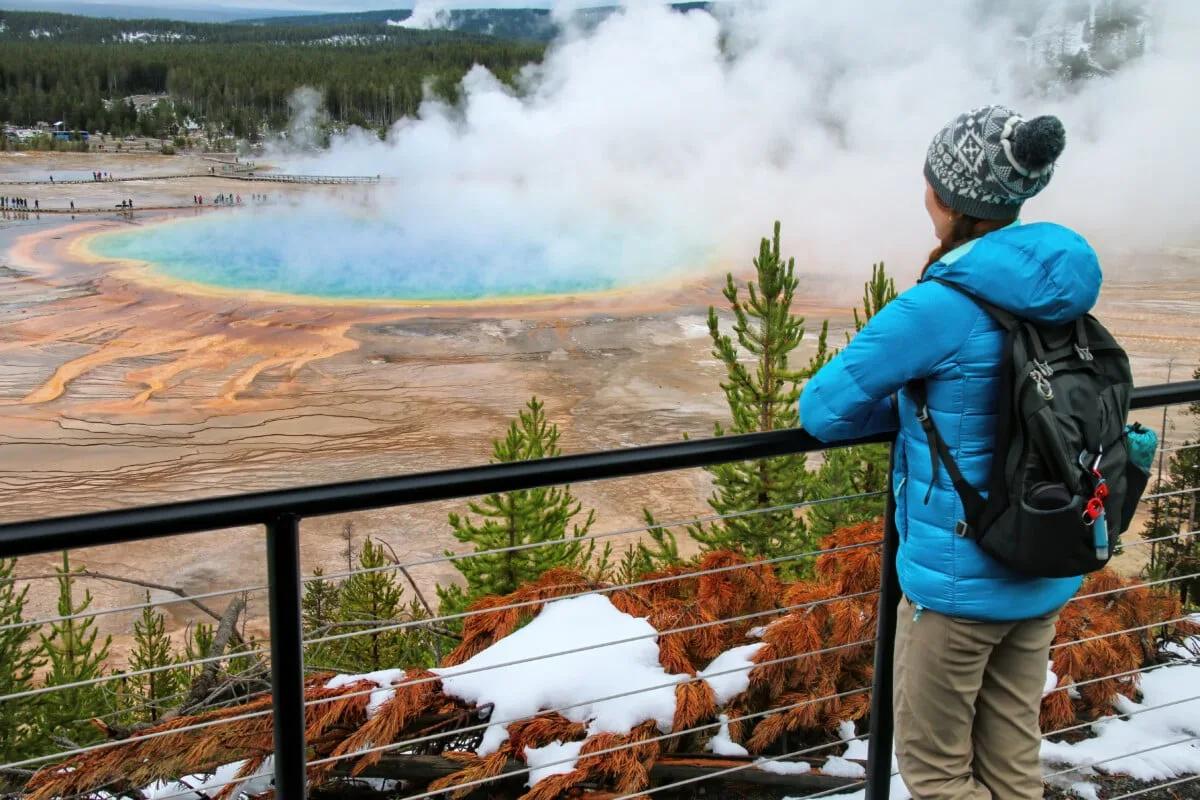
[233, 79]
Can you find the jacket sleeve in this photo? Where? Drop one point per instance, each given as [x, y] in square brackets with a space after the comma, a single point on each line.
[852, 395]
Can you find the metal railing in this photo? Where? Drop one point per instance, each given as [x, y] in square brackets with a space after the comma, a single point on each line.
[336, 180]
[280, 512]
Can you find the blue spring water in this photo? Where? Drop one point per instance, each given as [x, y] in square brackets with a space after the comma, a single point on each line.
[342, 255]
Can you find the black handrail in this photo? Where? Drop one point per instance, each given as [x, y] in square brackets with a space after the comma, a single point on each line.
[282, 510]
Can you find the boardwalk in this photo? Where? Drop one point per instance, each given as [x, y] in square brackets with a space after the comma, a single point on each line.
[239, 176]
[311, 179]
[90, 181]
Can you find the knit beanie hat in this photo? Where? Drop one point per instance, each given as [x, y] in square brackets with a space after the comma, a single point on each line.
[989, 161]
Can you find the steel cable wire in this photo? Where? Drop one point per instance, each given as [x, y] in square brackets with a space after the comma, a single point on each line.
[601, 645]
[643, 742]
[1122, 715]
[1091, 764]
[618, 696]
[601, 590]
[1170, 494]
[729, 770]
[438, 559]
[431, 737]
[1155, 788]
[1061, 645]
[433, 620]
[527, 770]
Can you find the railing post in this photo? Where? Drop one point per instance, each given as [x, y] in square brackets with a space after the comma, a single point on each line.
[287, 656]
[879, 746]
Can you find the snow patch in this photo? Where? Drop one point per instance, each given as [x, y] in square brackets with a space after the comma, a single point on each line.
[1084, 790]
[547, 678]
[1051, 679]
[783, 767]
[841, 768]
[855, 748]
[384, 679]
[721, 744]
[1162, 727]
[736, 664]
[556, 758]
[204, 786]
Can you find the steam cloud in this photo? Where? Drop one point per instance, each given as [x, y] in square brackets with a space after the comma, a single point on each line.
[307, 115]
[678, 138]
[427, 15]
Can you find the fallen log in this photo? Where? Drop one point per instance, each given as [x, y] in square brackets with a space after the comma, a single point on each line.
[421, 769]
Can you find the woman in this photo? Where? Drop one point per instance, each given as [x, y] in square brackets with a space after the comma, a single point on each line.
[973, 637]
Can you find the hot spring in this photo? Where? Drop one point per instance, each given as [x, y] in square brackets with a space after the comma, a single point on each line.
[343, 255]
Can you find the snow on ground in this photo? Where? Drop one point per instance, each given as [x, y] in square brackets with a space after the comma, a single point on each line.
[202, 787]
[1118, 742]
[571, 682]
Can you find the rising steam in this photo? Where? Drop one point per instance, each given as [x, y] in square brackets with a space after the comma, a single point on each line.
[684, 135]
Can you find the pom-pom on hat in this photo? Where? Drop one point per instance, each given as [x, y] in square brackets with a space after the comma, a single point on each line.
[989, 161]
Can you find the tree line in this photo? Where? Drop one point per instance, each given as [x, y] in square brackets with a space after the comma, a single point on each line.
[239, 88]
[77, 29]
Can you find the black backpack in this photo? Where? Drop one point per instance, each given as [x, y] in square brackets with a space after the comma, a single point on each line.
[1062, 487]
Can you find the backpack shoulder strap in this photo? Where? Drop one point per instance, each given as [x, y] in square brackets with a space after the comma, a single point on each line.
[972, 500]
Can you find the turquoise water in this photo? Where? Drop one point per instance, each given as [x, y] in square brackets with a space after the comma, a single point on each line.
[341, 255]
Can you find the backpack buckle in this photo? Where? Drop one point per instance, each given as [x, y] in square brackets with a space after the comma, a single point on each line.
[962, 529]
[1043, 383]
[1084, 353]
[923, 413]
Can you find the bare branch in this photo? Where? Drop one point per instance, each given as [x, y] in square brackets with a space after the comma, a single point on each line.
[204, 683]
[145, 584]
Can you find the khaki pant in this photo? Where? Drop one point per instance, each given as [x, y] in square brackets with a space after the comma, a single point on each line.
[967, 700]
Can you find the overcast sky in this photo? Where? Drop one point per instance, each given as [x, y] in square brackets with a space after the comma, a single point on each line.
[335, 5]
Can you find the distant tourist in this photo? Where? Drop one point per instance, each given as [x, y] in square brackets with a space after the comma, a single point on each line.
[36, 207]
[72, 205]
[52, 179]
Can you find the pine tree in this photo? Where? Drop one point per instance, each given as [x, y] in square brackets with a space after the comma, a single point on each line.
[513, 519]
[320, 609]
[640, 558]
[761, 398]
[197, 645]
[372, 599]
[1176, 515]
[20, 659]
[149, 696]
[849, 471]
[74, 656]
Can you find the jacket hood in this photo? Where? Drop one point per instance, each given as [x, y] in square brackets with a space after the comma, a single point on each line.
[1041, 272]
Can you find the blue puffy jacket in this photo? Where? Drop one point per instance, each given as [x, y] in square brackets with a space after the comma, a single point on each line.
[1041, 272]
